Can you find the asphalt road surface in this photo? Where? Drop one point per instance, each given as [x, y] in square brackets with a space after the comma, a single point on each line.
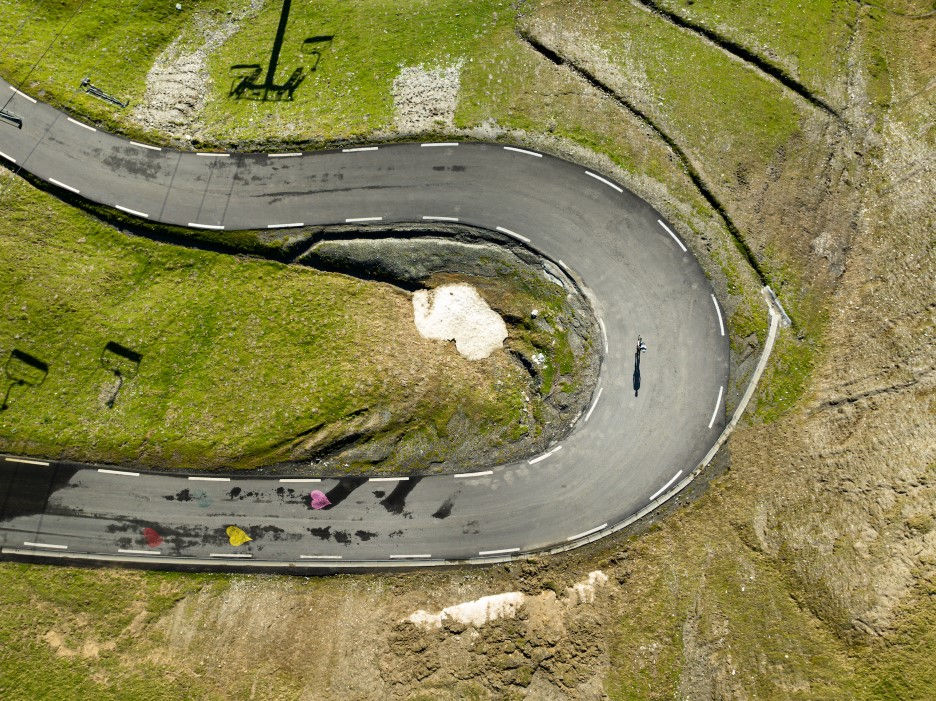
[624, 452]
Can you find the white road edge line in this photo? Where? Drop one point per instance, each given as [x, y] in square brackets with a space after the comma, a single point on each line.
[666, 486]
[293, 225]
[53, 546]
[196, 478]
[593, 404]
[22, 94]
[299, 480]
[523, 151]
[502, 551]
[230, 555]
[483, 473]
[151, 148]
[359, 148]
[388, 479]
[208, 154]
[604, 334]
[588, 532]
[64, 186]
[132, 211]
[410, 557]
[513, 233]
[721, 324]
[443, 143]
[355, 220]
[604, 180]
[84, 126]
[545, 455]
[128, 551]
[284, 155]
[441, 218]
[717, 403]
[123, 473]
[27, 461]
[320, 557]
[670, 232]
[564, 266]
[196, 225]
[9, 158]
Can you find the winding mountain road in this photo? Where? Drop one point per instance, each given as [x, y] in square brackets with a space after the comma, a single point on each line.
[625, 452]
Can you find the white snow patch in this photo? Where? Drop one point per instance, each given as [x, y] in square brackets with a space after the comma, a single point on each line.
[489, 608]
[457, 312]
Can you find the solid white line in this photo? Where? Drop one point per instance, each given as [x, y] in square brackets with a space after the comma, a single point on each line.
[409, 557]
[75, 121]
[498, 552]
[207, 154]
[606, 182]
[670, 232]
[438, 144]
[355, 220]
[665, 486]
[283, 155]
[564, 266]
[196, 478]
[230, 555]
[9, 158]
[299, 480]
[195, 225]
[359, 148]
[22, 94]
[123, 473]
[138, 552]
[53, 546]
[132, 211]
[320, 557]
[483, 473]
[594, 403]
[441, 218]
[717, 402]
[604, 334]
[26, 461]
[294, 225]
[513, 233]
[63, 185]
[545, 455]
[524, 151]
[388, 479]
[721, 324]
[588, 532]
[151, 148]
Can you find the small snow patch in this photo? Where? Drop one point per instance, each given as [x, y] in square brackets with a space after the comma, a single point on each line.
[425, 98]
[457, 312]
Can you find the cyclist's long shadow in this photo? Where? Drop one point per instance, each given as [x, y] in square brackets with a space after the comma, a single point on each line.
[636, 372]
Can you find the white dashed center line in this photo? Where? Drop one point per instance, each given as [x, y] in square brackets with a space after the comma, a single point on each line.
[665, 486]
[441, 218]
[51, 546]
[604, 180]
[207, 154]
[230, 555]
[79, 124]
[438, 144]
[122, 473]
[670, 232]
[717, 404]
[215, 227]
[388, 479]
[134, 212]
[196, 478]
[320, 557]
[721, 324]
[23, 95]
[293, 225]
[284, 155]
[545, 455]
[64, 186]
[358, 220]
[151, 148]
[483, 473]
[9, 158]
[502, 551]
[410, 557]
[513, 233]
[299, 480]
[27, 461]
[523, 151]
[359, 148]
[604, 334]
[127, 551]
[594, 404]
[588, 532]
